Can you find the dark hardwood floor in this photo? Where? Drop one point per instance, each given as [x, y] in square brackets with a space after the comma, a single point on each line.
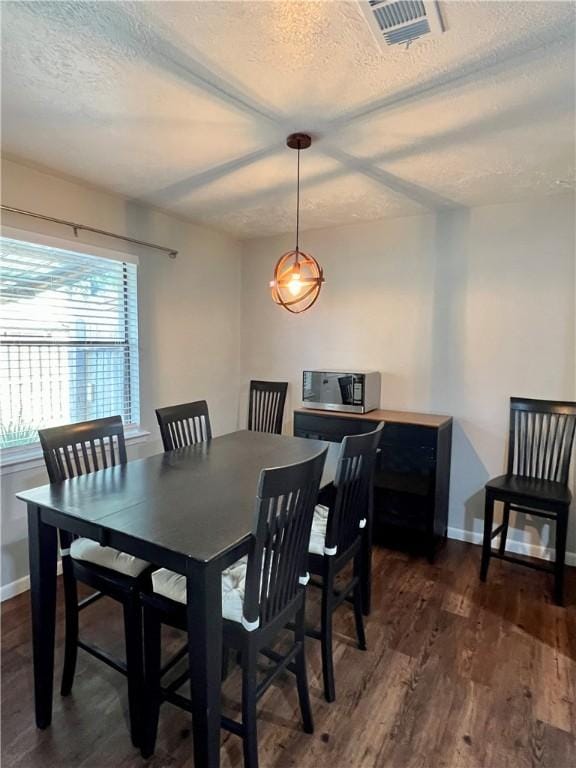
[458, 674]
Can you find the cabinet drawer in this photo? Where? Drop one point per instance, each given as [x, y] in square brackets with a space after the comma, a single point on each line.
[317, 436]
[407, 459]
[410, 434]
[332, 428]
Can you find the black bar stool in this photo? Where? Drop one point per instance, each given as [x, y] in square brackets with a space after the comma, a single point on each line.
[78, 449]
[536, 482]
[340, 535]
[262, 593]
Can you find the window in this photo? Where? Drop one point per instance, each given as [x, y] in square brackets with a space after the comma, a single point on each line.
[69, 339]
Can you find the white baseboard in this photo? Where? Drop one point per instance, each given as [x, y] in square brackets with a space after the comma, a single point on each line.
[512, 545]
[20, 585]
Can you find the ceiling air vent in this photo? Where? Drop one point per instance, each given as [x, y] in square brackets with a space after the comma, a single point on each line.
[402, 22]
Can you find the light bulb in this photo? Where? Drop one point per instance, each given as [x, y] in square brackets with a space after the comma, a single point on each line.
[295, 286]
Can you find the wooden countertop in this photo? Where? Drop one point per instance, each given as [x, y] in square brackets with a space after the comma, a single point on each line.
[394, 417]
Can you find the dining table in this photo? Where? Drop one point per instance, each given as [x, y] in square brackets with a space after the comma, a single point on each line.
[191, 510]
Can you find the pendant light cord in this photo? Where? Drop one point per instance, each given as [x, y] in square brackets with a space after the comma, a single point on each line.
[298, 204]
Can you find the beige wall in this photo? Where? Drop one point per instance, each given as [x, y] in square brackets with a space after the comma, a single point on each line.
[189, 315]
[458, 311]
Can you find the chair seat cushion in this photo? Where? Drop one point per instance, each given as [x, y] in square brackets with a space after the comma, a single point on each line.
[173, 586]
[318, 533]
[91, 552]
[530, 488]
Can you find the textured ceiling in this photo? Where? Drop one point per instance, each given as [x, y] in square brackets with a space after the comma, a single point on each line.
[186, 106]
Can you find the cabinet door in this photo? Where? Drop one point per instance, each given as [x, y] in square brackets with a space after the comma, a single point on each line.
[400, 511]
[313, 435]
[405, 480]
[406, 468]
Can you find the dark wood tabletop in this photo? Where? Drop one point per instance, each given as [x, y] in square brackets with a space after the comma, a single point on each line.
[196, 501]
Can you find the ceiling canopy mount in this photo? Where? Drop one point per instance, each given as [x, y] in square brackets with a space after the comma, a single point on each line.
[299, 141]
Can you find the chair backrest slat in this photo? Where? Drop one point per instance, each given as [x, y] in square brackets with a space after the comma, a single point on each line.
[78, 449]
[354, 487]
[266, 406]
[76, 456]
[94, 456]
[103, 453]
[285, 504]
[69, 468]
[541, 438]
[185, 424]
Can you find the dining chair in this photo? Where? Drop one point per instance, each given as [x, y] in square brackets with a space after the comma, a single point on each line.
[184, 424]
[266, 406]
[338, 539]
[262, 593]
[541, 437]
[70, 451]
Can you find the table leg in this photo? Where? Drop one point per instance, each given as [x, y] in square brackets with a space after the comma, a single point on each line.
[205, 660]
[42, 552]
[366, 573]
[366, 561]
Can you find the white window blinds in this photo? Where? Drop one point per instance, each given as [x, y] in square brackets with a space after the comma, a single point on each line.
[69, 339]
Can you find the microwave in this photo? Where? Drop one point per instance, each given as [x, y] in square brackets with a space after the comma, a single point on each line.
[351, 391]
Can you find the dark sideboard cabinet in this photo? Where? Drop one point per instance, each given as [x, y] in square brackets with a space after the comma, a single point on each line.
[412, 478]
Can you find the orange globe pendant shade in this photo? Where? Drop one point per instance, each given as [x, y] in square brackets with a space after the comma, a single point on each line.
[297, 277]
[297, 281]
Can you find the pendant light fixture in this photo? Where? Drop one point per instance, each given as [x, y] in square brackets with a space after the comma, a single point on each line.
[298, 277]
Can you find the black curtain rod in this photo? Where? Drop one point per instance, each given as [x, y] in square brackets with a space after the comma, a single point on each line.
[76, 227]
